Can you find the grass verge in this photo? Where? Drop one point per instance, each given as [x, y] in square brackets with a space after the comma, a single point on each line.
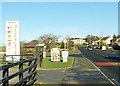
[47, 64]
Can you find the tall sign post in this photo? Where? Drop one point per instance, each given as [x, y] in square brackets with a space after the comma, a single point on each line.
[12, 41]
[65, 52]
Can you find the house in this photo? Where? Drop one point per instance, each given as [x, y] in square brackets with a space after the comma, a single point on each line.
[118, 41]
[53, 44]
[96, 41]
[30, 47]
[107, 40]
[116, 45]
[78, 41]
[114, 40]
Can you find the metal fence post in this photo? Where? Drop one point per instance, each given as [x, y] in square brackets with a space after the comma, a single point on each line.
[33, 70]
[23, 79]
[29, 71]
[40, 59]
[20, 68]
[5, 74]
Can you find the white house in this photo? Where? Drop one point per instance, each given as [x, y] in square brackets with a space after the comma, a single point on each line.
[118, 41]
[107, 40]
[96, 41]
[77, 41]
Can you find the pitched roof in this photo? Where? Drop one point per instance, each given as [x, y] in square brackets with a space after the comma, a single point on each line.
[74, 38]
[105, 38]
[115, 39]
[96, 39]
[31, 44]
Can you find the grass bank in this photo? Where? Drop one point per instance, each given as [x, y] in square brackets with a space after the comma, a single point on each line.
[48, 64]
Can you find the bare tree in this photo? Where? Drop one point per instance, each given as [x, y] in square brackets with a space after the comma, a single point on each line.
[91, 38]
[49, 40]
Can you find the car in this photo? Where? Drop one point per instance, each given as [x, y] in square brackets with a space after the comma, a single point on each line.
[89, 48]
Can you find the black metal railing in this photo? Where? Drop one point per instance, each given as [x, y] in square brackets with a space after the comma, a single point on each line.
[27, 80]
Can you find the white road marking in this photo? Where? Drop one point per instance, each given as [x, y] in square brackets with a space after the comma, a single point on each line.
[102, 72]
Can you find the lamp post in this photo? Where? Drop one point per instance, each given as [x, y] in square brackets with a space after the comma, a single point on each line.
[65, 44]
[44, 49]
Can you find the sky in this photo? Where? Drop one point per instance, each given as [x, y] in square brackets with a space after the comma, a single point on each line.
[60, 0]
[74, 19]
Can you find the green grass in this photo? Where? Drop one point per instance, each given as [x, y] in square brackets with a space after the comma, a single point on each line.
[47, 64]
[25, 65]
[1, 62]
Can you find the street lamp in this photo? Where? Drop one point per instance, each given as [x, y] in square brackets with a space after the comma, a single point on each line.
[65, 44]
[65, 52]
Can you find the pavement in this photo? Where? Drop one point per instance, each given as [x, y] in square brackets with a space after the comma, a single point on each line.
[83, 72]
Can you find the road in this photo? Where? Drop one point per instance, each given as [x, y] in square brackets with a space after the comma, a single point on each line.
[110, 71]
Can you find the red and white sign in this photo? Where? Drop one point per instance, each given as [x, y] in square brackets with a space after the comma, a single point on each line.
[12, 40]
[55, 54]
